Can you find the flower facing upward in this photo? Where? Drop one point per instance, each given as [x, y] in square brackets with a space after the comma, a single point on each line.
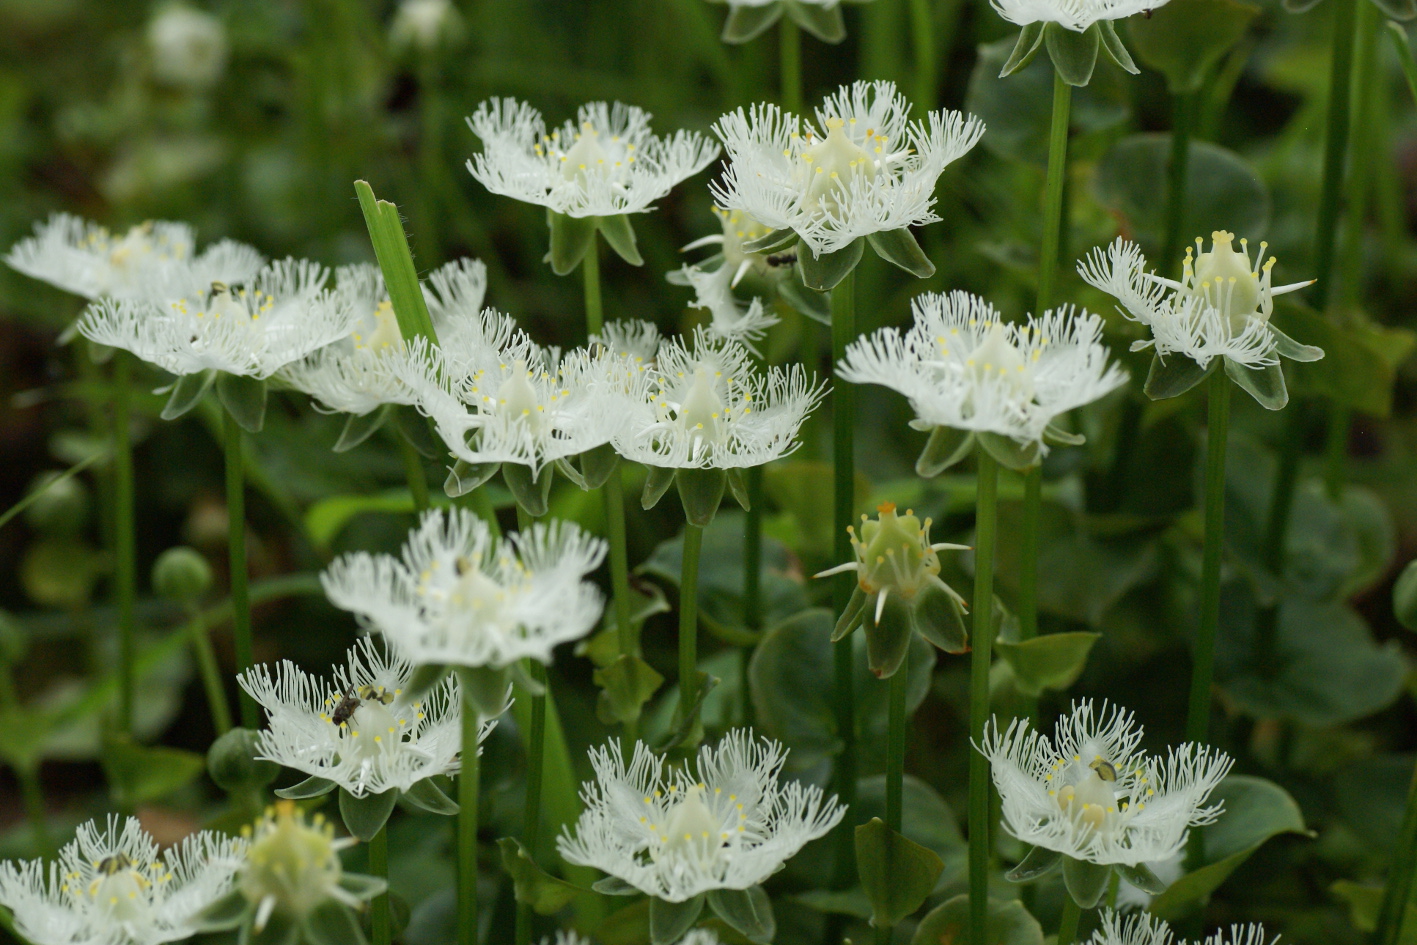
[866, 169]
[728, 824]
[1091, 794]
[386, 742]
[278, 316]
[706, 408]
[1076, 15]
[1142, 929]
[459, 596]
[605, 163]
[111, 886]
[963, 368]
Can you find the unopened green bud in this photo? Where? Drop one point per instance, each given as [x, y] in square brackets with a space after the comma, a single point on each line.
[233, 765]
[61, 508]
[182, 574]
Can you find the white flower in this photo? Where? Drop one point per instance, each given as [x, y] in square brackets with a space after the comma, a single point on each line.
[1076, 15]
[386, 742]
[424, 25]
[255, 329]
[111, 886]
[293, 866]
[351, 375]
[459, 596]
[89, 260]
[676, 834]
[738, 228]
[605, 163]
[865, 170]
[1091, 794]
[1143, 929]
[730, 320]
[708, 408]
[188, 47]
[1220, 308]
[961, 366]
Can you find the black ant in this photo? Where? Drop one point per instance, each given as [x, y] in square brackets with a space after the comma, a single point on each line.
[782, 259]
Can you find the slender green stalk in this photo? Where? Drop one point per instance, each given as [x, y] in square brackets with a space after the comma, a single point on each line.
[985, 529]
[789, 63]
[236, 544]
[210, 673]
[1203, 666]
[28, 775]
[895, 763]
[753, 550]
[124, 550]
[1114, 886]
[1053, 195]
[1399, 878]
[1028, 554]
[927, 59]
[467, 825]
[413, 469]
[689, 619]
[380, 921]
[1068, 924]
[535, 766]
[590, 270]
[1183, 118]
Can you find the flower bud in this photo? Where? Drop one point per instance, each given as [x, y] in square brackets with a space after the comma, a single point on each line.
[182, 574]
[233, 765]
[62, 508]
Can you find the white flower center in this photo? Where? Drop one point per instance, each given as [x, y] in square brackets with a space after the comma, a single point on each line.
[379, 330]
[692, 828]
[1091, 798]
[836, 160]
[517, 398]
[371, 731]
[593, 153]
[894, 551]
[121, 891]
[290, 862]
[1223, 277]
[701, 411]
[222, 301]
[996, 357]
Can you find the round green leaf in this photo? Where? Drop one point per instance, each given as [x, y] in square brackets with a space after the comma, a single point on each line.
[896, 873]
[1008, 923]
[1184, 39]
[1052, 661]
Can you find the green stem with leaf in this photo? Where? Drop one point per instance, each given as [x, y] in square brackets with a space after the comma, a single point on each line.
[1203, 659]
[982, 644]
[236, 545]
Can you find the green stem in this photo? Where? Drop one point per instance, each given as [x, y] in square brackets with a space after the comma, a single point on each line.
[35, 811]
[210, 673]
[789, 62]
[467, 824]
[590, 269]
[1053, 196]
[613, 493]
[927, 66]
[753, 550]
[689, 619]
[1203, 666]
[1028, 554]
[895, 763]
[535, 766]
[1399, 880]
[985, 528]
[1335, 147]
[1183, 117]
[413, 470]
[380, 922]
[1068, 924]
[236, 544]
[124, 551]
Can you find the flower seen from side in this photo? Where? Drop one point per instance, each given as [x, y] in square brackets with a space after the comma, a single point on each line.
[1075, 15]
[1143, 929]
[730, 320]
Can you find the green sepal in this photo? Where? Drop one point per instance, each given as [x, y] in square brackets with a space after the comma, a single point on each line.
[533, 886]
[739, 489]
[486, 687]
[825, 271]
[1142, 878]
[425, 795]
[224, 914]
[1402, 10]
[809, 302]
[424, 678]
[747, 23]
[940, 619]
[465, 476]
[1009, 452]
[748, 911]
[896, 873]
[1265, 384]
[701, 492]
[945, 447]
[1039, 862]
[566, 468]
[1287, 347]
[899, 248]
[625, 686]
[313, 786]
[1030, 40]
[281, 928]
[1074, 54]
[363, 886]
[770, 242]
[669, 921]
[851, 617]
[614, 886]
[186, 392]
[365, 816]
[1112, 45]
[413, 427]
[658, 479]
[532, 492]
[332, 923]
[619, 233]
[1086, 881]
[825, 23]
[523, 681]
[1175, 376]
[1056, 436]
[571, 239]
[888, 638]
[244, 398]
[598, 465]
[358, 428]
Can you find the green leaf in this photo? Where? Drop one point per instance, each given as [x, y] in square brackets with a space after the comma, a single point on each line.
[896, 873]
[945, 447]
[49, 483]
[1030, 40]
[825, 271]
[658, 479]
[1184, 39]
[1038, 862]
[626, 685]
[326, 518]
[396, 264]
[1403, 10]
[139, 773]
[426, 795]
[532, 492]
[809, 302]
[1010, 453]
[670, 921]
[535, 887]
[361, 886]
[619, 233]
[926, 819]
[1085, 881]
[1074, 54]
[771, 242]
[1364, 904]
[1265, 384]
[1287, 347]
[1052, 661]
[359, 427]
[746, 23]
[464, 477]
[365, 816]
[332, 923]
[1142, 878]
[1007, 923]
[851, 617]
[187, 391]
[244, 398]
[1255, 810]
[614, 886]
[487, 687]
[821, 21]
[1404, 596]
[1113, 47]
[1360, 362]
[701, 492]
[1175, 376]
[571, 239]
[747, 911]
[899, 248]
